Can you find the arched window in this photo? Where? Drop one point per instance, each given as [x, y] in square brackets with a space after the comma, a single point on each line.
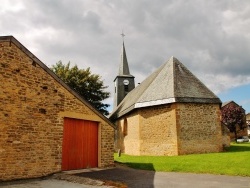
[126, 88]
[125, 127]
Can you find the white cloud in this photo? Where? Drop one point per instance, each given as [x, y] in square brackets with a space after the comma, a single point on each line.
[211, 38]
[221, 83]
[11, 6]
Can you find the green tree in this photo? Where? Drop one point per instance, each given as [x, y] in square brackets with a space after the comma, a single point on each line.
[88, 85]
[233, 116]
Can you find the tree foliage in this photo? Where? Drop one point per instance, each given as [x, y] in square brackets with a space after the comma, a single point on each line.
[88, 85]
[233, 116]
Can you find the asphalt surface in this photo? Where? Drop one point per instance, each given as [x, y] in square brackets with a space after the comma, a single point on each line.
[44, 183]
[149, 179]
[132, 178]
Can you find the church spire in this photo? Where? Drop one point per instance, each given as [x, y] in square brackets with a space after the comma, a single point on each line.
[123, 68]
[124, 81]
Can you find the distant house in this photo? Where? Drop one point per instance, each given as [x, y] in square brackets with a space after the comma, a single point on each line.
[170, 113]
[239, 132]
[45, 126]
[248, 123]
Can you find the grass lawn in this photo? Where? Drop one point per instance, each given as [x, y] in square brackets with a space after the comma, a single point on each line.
[235, 161]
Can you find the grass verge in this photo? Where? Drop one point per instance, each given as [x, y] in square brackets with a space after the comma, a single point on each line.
[235, 161]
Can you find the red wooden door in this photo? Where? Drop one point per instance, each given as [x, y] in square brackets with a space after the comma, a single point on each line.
[80, 144]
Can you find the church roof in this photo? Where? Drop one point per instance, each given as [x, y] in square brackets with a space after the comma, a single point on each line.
[172, 82]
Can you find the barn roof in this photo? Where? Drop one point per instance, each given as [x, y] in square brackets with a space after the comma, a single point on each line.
[172, 82]
[13, 40]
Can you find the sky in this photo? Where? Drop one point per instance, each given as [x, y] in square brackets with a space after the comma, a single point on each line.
[211, 38]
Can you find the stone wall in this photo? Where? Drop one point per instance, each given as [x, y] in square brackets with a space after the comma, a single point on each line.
[199, 128]
[172, 129]
[132, 139]
[225, 136]
[32, 108]
[158, 130]
[150, 131]
[127, 136]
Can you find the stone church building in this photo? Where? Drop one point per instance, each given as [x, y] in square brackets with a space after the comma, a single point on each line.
[170, 113]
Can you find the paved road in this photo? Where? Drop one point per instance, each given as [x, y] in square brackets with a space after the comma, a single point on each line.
[61, 180]
[45, 183]
[149, 179]
[134, 179]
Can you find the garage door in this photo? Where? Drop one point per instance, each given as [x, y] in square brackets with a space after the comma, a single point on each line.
[80, 144]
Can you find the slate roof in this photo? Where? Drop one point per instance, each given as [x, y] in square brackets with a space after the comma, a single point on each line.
[172, 82]
[13, 40]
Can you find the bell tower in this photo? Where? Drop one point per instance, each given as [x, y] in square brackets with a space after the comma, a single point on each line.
[124, 81]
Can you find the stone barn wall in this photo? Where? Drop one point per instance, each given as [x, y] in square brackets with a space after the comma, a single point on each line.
[32, 107]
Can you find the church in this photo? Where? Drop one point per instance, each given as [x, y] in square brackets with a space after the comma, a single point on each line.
[170, 113]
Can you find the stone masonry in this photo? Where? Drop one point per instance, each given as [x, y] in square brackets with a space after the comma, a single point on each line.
[158, 133]
[33, 105]
[172, 129]
[199, 128]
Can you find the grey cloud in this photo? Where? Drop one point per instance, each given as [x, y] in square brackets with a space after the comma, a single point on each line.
[209, 37]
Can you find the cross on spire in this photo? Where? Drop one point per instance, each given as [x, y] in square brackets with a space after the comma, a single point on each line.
[123, 35]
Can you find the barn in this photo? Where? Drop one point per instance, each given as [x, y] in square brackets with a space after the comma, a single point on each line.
[45, 127]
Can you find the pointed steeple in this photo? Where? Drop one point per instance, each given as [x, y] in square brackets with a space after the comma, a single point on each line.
[123, 68]
[124, 81]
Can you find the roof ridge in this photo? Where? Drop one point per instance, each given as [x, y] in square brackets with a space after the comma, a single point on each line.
[19, 45]
[174, 77]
